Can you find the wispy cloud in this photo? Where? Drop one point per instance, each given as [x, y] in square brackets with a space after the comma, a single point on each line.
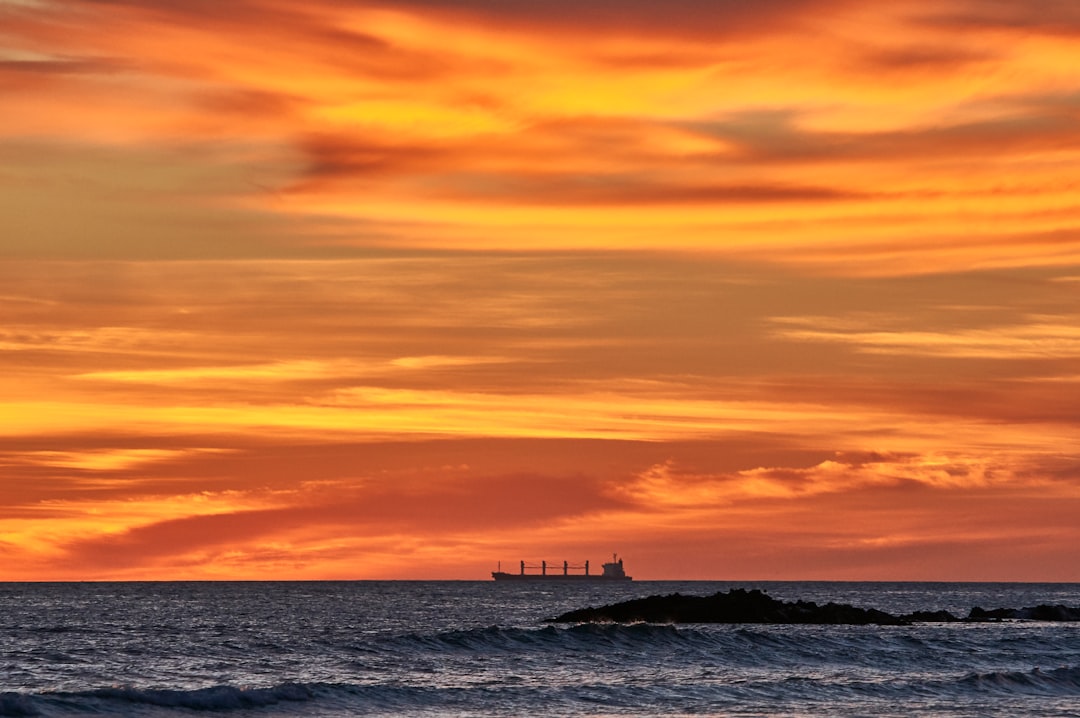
[104, 459]
[328, 117]
[669, 485]
[306, 281]
[1054, 337]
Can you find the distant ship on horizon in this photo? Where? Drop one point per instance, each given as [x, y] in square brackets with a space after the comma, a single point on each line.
[612, 571]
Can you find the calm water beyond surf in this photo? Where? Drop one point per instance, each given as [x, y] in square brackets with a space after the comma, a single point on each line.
[481, 648]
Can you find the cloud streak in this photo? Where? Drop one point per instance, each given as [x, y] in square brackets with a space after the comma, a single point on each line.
[1039, 338]
[310, 289]
[405, 125]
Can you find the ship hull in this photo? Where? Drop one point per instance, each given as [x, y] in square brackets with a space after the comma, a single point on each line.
[555, 578]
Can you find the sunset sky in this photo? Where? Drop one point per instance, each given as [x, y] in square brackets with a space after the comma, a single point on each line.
[336, 289]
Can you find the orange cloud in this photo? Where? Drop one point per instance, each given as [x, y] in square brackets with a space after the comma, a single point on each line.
[340, 116]
[308, 289]
[1050, 337]
[347, 523]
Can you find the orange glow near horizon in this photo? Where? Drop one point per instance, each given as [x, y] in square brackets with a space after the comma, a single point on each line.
[403, 289]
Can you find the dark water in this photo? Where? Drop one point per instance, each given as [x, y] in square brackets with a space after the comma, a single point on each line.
[481, 648]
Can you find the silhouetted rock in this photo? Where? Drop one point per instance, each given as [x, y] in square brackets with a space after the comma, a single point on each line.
[736, 606]
[1042, 612]
[997, 614]
[742, 606]
[929, 617]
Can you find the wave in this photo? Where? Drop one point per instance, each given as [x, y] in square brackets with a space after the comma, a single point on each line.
[663, 696]
[127, 699]
[17, 704]
[626, 646]
[495, 638]
[743, 645]
[1063, 681]
[618, 643]
[570, 670]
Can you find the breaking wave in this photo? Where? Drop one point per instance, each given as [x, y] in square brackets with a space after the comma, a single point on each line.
[741, 645]
[129, 700]
[346, 699]
[573, 670]
[1063, 681]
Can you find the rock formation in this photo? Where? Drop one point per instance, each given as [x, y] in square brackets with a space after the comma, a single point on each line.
[753, 606]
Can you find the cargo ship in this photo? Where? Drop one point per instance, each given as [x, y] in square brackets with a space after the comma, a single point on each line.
[612, 571]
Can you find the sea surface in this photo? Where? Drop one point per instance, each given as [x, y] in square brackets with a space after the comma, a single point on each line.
[465, 648]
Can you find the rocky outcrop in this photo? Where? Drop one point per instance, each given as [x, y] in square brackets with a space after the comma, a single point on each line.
[753, 606]
[929, 617]
[1042, 612]
[736, 606]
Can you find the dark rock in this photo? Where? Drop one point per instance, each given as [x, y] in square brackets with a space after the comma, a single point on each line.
[997, 614]
[742, 606]
[736, 606]
[929, 617]
[1042, 612]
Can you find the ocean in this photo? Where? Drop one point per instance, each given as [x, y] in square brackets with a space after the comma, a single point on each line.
[480, 648]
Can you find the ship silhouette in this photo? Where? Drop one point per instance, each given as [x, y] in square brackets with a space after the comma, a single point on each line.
[612, 571]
